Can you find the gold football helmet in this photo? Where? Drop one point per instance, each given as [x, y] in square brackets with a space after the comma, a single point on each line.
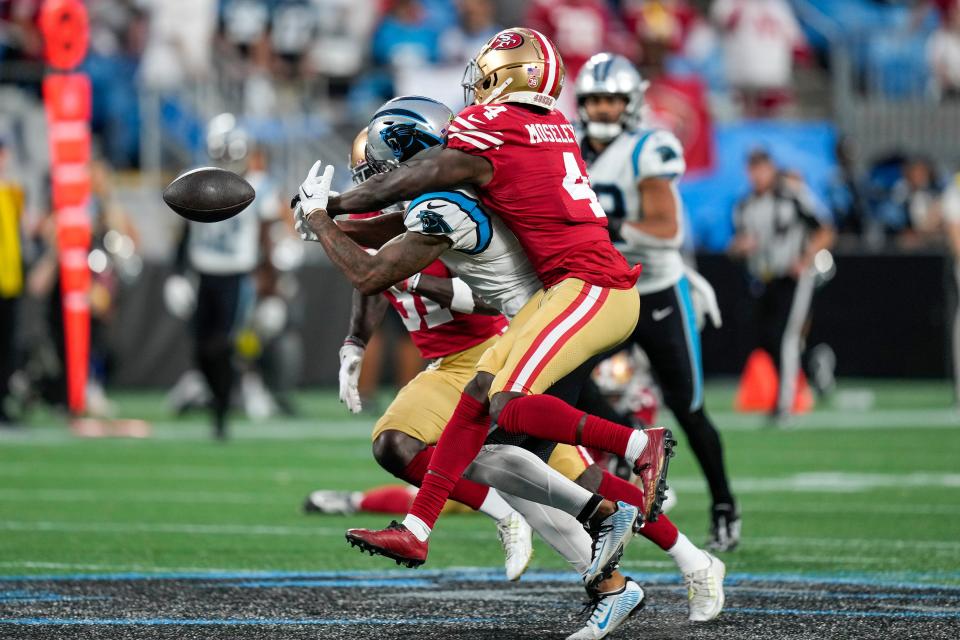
[359, 169]
[516, 65]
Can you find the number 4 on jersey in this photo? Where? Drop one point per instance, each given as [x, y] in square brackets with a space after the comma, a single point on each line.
[578, 185]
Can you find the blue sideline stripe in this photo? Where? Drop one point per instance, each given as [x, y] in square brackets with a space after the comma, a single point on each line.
[491, 574]
[844, 614]
[329, 582]
[233, 622]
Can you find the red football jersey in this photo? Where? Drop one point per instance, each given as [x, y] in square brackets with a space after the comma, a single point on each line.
[541, 191]
[438, 331]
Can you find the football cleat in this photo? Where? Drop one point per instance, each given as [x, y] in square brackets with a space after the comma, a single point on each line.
[331, 502]
[724, 528]
[395, 542]
[610, 610]
[705, 591]
[651, 468]
[609, 540]
[516, 537]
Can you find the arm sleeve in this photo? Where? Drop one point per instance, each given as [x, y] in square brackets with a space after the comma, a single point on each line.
[451, 214]
[658, 155]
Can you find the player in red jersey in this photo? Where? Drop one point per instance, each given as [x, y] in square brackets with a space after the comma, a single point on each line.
[525, 163]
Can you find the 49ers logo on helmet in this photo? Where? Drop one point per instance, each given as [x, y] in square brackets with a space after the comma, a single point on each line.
[506, 40]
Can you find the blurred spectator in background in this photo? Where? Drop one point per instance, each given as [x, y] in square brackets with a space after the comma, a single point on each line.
[779, 232]
[11, 274]
[579, 29]
[661, 27]
[20, 38]
[760, 39]
[912, 211]
[113, 263]
[118, 36]
[476, 24]
[943, 53]
[406, 36]
[951, 219]
[180, 42]
[341, 24]
[846, 195]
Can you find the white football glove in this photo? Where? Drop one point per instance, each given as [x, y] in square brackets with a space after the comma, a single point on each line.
[351, 358]
[315, 189]
[180, 296]
[704, 299]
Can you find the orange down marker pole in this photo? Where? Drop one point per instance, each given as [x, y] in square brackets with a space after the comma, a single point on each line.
[67, 99]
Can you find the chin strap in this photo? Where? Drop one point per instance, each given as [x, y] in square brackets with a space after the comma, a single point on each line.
[496, 92]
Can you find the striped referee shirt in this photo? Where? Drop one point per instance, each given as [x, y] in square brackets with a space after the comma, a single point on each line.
[781, 221]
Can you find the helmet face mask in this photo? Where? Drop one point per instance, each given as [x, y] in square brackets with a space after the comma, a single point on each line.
[402, 128]
[607, 74]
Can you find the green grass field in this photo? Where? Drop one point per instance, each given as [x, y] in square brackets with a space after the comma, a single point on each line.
[849, 490]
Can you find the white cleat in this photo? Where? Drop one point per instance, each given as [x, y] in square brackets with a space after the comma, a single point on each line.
[609, 540]
[516, 536]
[705, 590]
[610, 610]
[332, 502]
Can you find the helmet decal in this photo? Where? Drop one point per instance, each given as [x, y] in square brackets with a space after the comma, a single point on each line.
[406, 140]
[506, 40]
[533, 76]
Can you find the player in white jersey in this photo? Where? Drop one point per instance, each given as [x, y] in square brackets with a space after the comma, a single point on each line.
[634, 171]
[224, 256]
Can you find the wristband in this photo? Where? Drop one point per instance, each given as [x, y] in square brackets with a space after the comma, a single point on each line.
[462, 297]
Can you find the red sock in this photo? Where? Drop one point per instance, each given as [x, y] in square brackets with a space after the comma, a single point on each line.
[458, 446]
[662, 532]
[390, 499]
[466, 491]
[553, 419]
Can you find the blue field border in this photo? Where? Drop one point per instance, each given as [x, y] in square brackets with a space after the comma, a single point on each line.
[897, 580]
[236, 622]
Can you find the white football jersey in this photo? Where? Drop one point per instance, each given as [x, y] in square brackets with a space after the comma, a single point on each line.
[233, 246]
[615, 174]
[485, 253]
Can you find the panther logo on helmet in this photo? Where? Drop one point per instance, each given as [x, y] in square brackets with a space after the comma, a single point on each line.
[506, 40]
[406, 140]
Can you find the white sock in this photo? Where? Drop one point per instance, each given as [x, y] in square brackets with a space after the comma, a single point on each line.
[495, 506]
[688, 556]
[417, 527]
[635, 446]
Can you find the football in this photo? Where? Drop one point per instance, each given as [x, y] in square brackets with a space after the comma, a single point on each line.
[208, 194]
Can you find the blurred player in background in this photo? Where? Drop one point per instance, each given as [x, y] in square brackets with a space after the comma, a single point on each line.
[11, 274]
[224, 257]
[779, 232]
[634, 171]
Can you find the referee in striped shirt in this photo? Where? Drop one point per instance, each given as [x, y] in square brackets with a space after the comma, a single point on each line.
[779, 231]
